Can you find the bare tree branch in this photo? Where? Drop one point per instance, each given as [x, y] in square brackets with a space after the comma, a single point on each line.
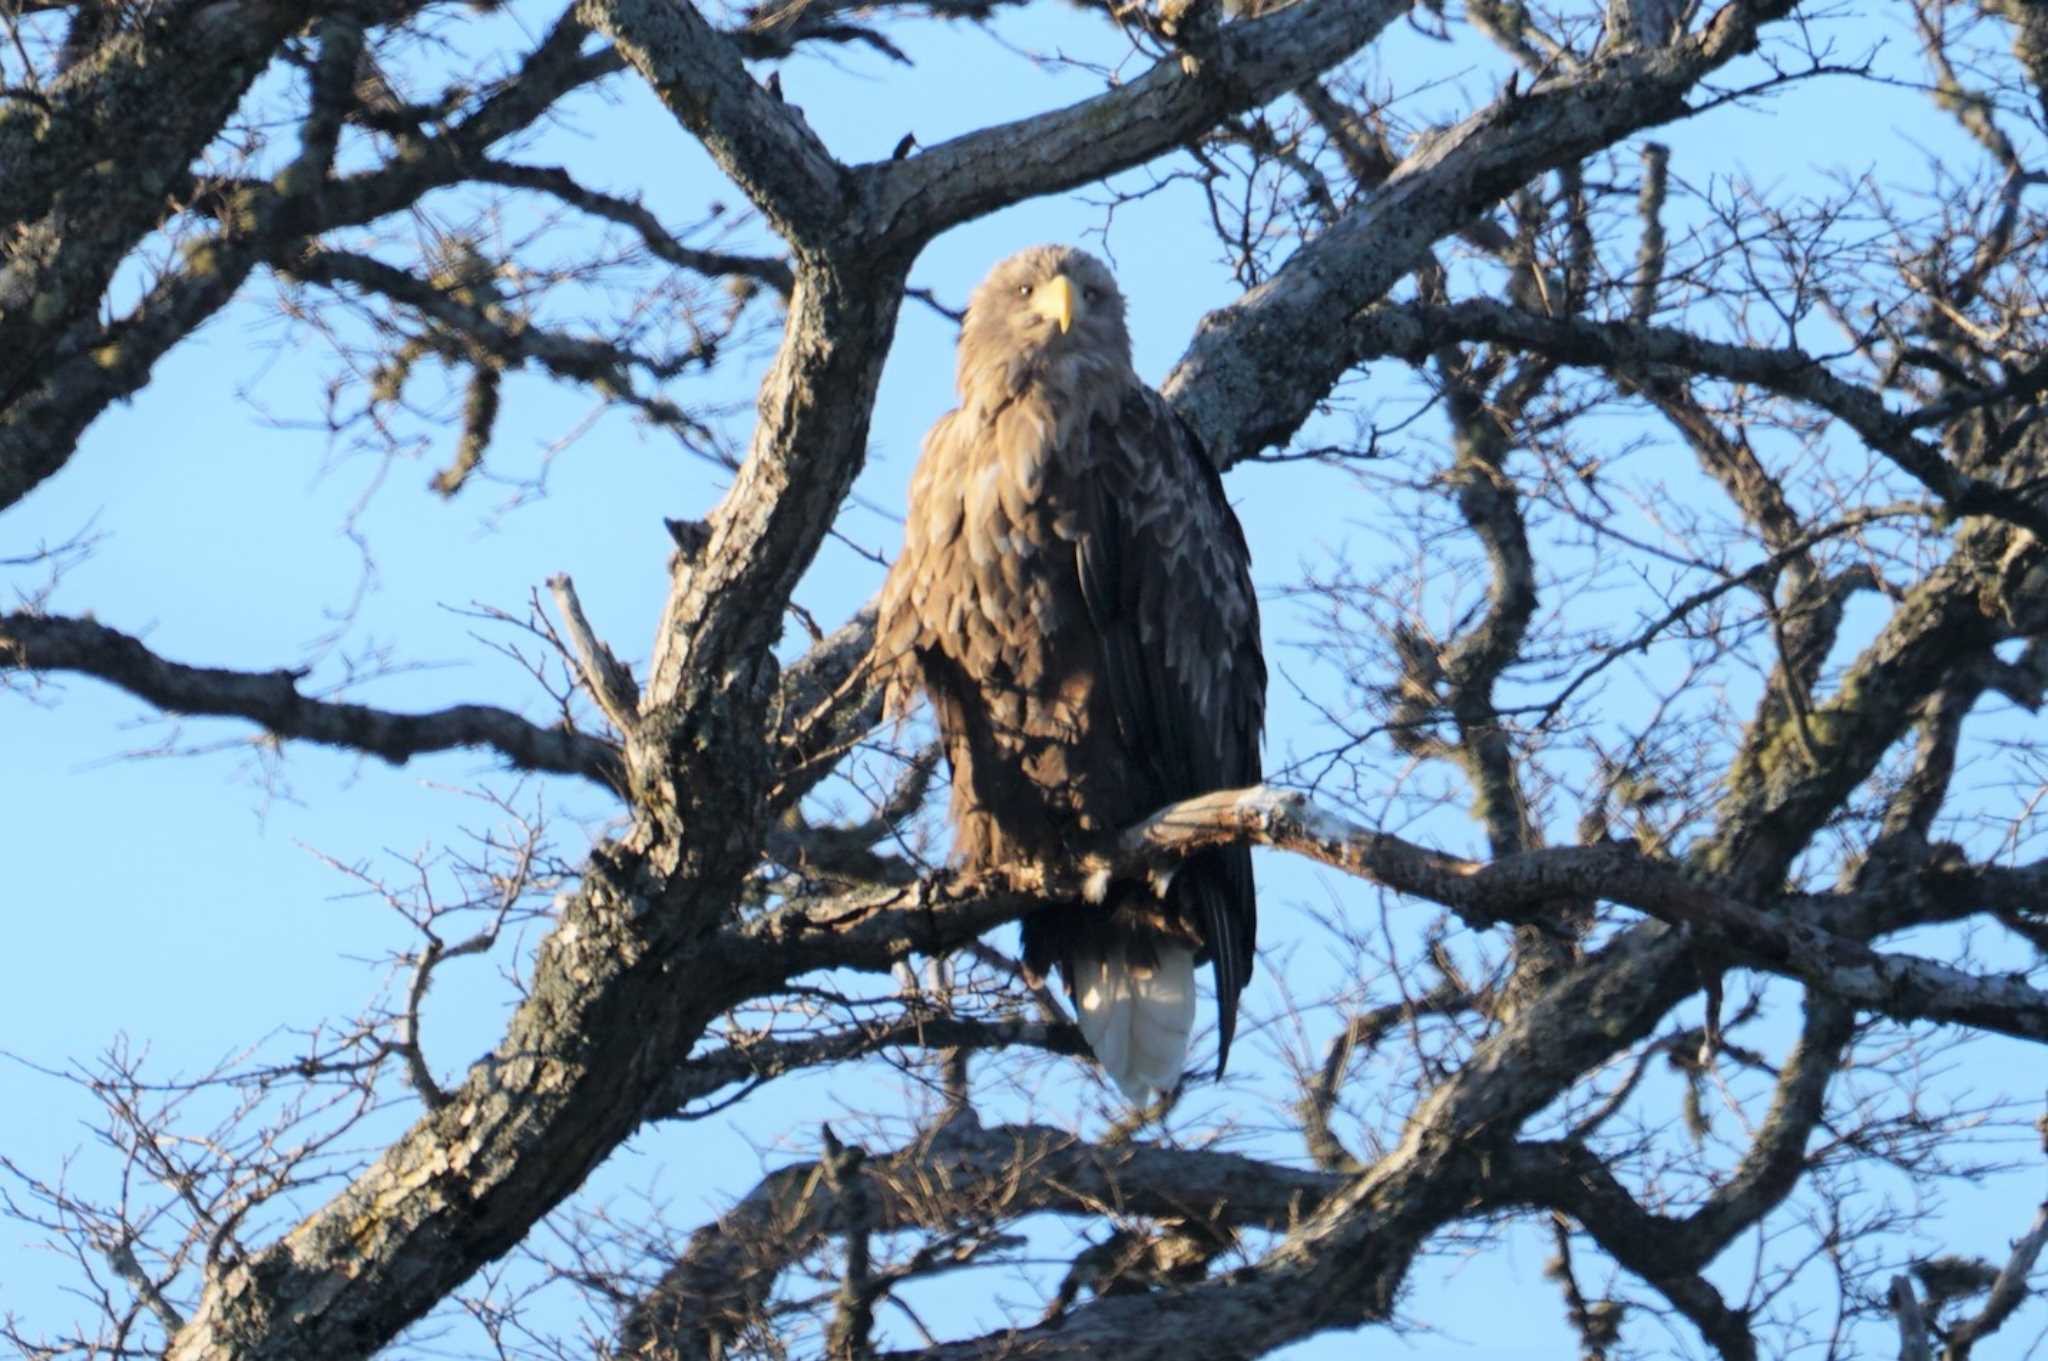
[1260, 365]
[34, 643]
[608, 680]
[761, 142]
[1415, 329]
[2007, 1293]
[1783, 686]
[1912, 1323]
[958, 1171]
[1241, 65]
[1797, 944]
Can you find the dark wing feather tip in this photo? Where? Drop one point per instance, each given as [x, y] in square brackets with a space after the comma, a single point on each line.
[1179, 630]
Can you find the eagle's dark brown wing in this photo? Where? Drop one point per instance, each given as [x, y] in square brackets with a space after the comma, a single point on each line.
[1166, 577]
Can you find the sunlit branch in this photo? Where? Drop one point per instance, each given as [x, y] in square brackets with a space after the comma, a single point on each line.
[874, 929]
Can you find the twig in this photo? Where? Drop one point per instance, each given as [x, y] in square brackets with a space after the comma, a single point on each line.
[1912, 1325]
[609, 681]
[853, 1320]
[416, 1070]
[121, 1257]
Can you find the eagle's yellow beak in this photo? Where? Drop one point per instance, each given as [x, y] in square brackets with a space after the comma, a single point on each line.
[1055, 301]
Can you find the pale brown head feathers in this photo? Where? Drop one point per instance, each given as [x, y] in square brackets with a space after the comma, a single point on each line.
[1045, 307]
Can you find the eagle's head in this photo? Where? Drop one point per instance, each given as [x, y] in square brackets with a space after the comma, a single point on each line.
[1046, 311]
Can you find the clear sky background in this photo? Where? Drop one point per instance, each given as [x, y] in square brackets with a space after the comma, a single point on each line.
[185, 903]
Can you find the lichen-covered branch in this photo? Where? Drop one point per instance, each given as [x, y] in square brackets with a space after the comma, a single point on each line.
[83, 365]
[172, 81]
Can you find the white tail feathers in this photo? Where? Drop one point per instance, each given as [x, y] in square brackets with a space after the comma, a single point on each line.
[1136, 1016]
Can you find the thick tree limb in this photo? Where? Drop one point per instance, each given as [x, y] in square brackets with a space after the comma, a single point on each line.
[1662, 1250]
[31, 642]
[810, 439]
[569, 1082]
[1343, 1266]
[1905, 1303]
[2008, 1292]
[959, 1173]
[1259, 367]
[761, 142]
[94, 365]
[1794, 768]
[1669, 1252]
[1518, 888]
[170, 83]
[1249, 63]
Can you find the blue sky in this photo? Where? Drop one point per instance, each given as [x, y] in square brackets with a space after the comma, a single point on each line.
[187, 902]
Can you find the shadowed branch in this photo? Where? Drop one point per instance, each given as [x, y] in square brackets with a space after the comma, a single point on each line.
[31, 642]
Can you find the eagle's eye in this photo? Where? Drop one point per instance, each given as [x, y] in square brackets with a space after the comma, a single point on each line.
[1092, 294]
[1023, 290]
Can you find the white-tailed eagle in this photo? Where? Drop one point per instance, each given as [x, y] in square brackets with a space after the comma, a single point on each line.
[1075, 596]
